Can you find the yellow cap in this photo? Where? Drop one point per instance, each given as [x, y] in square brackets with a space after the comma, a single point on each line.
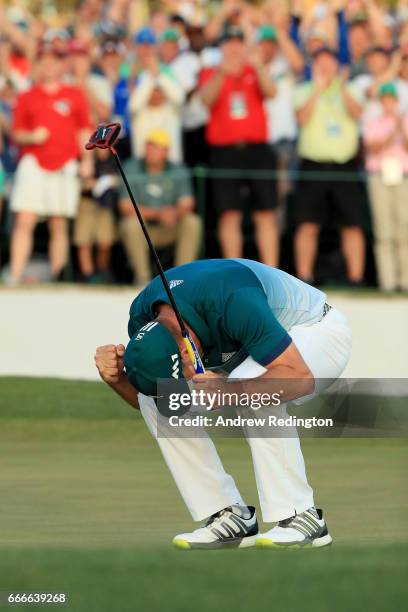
[159, 137]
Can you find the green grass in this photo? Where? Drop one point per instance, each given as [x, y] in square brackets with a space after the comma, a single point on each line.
[87, 506]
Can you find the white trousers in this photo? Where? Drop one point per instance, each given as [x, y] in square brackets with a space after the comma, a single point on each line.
[278, 462]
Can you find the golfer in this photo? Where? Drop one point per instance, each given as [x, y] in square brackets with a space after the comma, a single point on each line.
[262, 325]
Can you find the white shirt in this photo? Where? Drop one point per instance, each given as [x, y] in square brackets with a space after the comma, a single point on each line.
[280, 110]
[145, 118]
[186, 68]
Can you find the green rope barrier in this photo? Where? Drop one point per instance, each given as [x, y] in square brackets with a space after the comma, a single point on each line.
[294, 175]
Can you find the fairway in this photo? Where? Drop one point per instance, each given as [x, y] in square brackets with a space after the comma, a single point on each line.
[88, 507]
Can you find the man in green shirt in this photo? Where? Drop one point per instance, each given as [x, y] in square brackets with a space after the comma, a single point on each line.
[165, 195]
[259, 325]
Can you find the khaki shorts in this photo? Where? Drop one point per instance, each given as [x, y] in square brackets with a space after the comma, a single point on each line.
[94, 224]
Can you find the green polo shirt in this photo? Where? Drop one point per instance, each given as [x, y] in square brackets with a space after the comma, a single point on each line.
[226, 304]
[157, 190]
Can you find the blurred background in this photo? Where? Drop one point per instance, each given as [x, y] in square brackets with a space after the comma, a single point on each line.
[274, 130]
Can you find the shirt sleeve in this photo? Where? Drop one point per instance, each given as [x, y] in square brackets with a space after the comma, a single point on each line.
[137, 317]
[249, 320]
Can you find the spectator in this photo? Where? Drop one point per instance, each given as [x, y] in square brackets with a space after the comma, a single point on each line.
[237, 134]
[386, 141]
[144, 46]
[96, 87]
[382, 66]
[95, 223]
[328, 110]
[165, 194]
[284, 61]
[156, 103]
[186, 66]
[111, 55]
[51, 121]
[358, 44]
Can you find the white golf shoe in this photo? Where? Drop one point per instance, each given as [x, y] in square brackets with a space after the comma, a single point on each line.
[233, 527]
[305, 530]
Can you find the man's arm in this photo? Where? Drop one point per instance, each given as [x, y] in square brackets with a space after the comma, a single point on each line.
[249, 320]
[287, 375]
[127, 210]
[109, 361]
[354, 108]
[210, 91]
[304, 112]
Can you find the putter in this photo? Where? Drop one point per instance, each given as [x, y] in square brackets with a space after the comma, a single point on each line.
[105, 137]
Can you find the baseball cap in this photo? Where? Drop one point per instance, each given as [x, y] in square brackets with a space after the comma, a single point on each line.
[388, 89]
[170, 35]
[145, 36]
[230, 32]
[159, 137]
[267, 32]
[152, 353]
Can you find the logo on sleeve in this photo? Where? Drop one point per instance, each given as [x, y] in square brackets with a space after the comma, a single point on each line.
[175, 283]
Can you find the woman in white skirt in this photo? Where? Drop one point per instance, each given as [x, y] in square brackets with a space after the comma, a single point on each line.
[51, 123]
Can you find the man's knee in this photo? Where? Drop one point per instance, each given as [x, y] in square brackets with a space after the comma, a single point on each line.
[191, 222]
[308, 230]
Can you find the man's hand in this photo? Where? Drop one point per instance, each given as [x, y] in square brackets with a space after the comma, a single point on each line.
[109, 361]
[40, 135]
[86, 167]
[168, 216]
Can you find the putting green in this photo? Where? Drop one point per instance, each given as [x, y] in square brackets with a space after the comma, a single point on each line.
[88, 506]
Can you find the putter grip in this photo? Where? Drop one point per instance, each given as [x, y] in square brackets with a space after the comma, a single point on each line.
[193, 354]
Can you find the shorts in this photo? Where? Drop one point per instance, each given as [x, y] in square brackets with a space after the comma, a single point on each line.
[320, 198]
[47, 193]
[227, 192]
[94, 224]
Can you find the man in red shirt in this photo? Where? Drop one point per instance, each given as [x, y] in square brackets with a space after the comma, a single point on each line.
[51, 123]
[237, 134]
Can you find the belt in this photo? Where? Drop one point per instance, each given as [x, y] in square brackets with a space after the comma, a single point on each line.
[326, 308]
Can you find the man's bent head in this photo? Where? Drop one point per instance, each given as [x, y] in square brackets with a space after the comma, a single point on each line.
[152, 353]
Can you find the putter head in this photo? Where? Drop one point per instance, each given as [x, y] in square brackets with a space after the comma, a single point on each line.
[104, 137]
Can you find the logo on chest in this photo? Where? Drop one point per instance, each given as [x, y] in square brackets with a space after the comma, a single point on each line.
[62, 107]
[226, 356]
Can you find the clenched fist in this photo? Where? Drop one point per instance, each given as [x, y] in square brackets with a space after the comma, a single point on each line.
[109, 361]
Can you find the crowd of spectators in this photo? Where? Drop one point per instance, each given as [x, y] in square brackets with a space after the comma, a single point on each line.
[294, 111]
